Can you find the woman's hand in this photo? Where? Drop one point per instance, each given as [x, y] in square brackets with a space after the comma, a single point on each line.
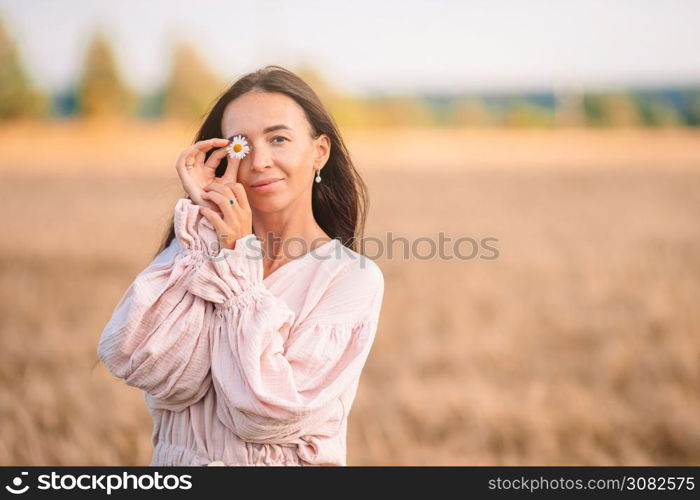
[201, 174]
[237, 219]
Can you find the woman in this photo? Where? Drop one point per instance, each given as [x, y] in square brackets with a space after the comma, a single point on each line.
[246, 358]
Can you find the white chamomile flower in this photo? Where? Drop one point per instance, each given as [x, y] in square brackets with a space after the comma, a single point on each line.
[238, 147]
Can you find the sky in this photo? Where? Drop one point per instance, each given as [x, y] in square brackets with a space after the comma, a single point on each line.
[375, 46]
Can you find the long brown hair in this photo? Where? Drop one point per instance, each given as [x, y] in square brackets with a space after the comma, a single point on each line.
[340, 201]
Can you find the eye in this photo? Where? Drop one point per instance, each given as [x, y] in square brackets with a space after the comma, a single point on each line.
[279, 137]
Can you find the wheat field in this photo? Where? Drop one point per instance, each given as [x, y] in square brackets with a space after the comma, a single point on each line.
[578, 345]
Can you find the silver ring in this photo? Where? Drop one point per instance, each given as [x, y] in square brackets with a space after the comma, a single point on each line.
[232, 201]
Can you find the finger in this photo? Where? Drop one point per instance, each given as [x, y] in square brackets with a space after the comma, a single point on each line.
[184, 172]
[214, 218]
[239, 192]
[219, 187]
[189, 159]
[232, 190]
[222, 202]
[199, 149]
[204, 146]
[215, 158]
[231, 174]
[207, 144]
[211, 205]
[219, 226]
[187, 156]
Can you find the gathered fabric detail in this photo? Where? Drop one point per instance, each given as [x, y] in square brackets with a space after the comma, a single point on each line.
[169, 454]
[277, 389]
[232, 279]
[226, 363]
[158, 337]
[243, 299]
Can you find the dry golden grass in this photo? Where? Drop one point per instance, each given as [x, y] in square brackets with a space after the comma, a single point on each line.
[579, 345]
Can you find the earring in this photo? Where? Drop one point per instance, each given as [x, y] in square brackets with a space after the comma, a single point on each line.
[318, 175]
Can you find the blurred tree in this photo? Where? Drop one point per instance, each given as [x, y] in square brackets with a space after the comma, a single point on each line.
[400, 111]
[64, 103]
[655, 112]
[101, 91]
[318, 83]
[593, 107]
[152, 104]
[470, 112]
[192, 87]
[350, 111]
[522, 113]
[693, 113]
[442, 108]
[617, 109]
[621, 110]
[568, 107]
[18, 98]
[347, 110]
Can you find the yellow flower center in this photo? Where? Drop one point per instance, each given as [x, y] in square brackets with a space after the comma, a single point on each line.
[237, 148]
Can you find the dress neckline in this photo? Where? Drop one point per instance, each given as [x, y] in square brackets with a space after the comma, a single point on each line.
[300, 258]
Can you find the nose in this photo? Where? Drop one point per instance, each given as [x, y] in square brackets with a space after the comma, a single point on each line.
[260, 158]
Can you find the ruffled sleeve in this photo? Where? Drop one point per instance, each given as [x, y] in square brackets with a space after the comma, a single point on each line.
[158, 337]
[276, 382]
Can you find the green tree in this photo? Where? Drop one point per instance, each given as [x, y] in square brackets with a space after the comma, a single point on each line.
[101, 91]
[18, 98]
[655, 112]
[192, 87]
[693, 118]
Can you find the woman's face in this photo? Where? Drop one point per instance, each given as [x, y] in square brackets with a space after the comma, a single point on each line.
[288, 154]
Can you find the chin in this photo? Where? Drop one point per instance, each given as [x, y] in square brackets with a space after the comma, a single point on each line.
[268, 205]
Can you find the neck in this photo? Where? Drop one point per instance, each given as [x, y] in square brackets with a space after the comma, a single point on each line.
[289, 233]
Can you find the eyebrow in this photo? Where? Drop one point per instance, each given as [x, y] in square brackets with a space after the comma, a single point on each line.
[271, 128]
[276, 127]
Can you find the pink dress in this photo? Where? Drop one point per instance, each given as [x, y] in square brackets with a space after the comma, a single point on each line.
[240, 369]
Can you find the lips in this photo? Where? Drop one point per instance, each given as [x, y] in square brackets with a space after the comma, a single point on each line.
[264, 182]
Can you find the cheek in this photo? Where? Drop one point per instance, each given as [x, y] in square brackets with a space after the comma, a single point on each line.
[295, 168]
[290, 162]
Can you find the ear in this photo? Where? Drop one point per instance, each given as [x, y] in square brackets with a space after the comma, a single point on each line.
[323, 149]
